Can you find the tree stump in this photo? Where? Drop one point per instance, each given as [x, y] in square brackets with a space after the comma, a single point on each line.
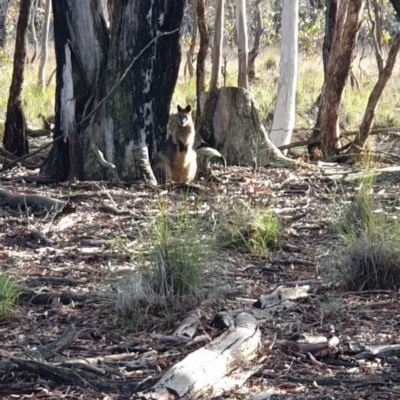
[237, 131]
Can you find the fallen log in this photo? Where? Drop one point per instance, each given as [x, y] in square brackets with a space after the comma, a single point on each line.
[15, 200]
[201, 373]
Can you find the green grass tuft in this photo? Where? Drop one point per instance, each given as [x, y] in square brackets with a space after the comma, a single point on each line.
[179, 250]
[371, 258]
[253, 230]
[9, 294]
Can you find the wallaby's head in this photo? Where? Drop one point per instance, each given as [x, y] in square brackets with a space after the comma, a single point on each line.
[184, 115]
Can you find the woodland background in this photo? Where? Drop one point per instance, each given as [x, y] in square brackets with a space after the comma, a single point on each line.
[264, 278]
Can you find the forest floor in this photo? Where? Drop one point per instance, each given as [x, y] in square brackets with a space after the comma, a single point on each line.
[64, 255]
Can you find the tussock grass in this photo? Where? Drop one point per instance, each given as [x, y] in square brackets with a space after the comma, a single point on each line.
[371, 257]
[174, 254]
[179, 249]
[9, 294]
[252, 230]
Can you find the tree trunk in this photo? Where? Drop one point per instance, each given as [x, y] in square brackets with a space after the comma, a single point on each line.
[251, 69]
[339, 64]
[81, 45]
[285, 112]
[217, 49]
[32, 28]
[243, 50]
[147, 91]
[15, 131]
[375, 19]
[3, 17]
[131, 124]
[193, 41]
[45, 43]
[376, 94]
[201, 56]
[330, 21]
[204, 121]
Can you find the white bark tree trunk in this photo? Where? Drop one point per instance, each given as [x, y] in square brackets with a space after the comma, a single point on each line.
[45, 43]
[243, 49]
[217, 49]
[284, 115]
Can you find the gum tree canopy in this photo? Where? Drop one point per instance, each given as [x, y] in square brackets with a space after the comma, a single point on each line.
[96, 42]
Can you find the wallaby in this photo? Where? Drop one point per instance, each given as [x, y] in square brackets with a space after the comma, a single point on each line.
[177, 160]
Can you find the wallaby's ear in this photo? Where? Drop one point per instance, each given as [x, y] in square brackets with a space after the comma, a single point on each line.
[180, 109]
[188, 108]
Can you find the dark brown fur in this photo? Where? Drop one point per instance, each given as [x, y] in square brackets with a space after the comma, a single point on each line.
[177, 160]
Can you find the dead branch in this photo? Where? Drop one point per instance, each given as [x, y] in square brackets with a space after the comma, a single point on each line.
[306, 142]
[15, 200]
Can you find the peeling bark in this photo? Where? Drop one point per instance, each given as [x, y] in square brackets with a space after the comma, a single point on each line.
[140, 107]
